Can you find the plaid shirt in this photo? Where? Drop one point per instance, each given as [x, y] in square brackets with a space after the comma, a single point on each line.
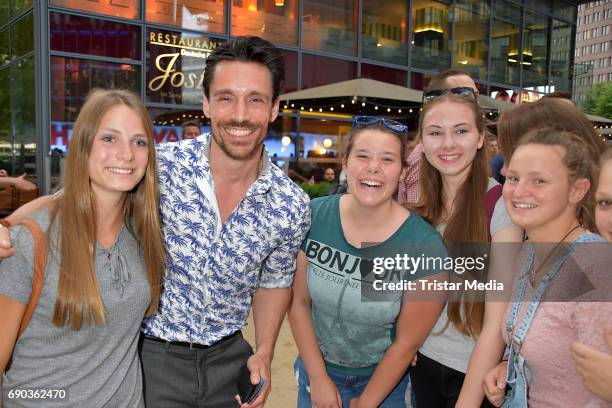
[409, 189]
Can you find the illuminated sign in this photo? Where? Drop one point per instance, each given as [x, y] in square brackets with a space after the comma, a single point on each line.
[61, 133]
[175, 66]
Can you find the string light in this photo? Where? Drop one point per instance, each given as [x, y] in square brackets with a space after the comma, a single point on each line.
[376, 108]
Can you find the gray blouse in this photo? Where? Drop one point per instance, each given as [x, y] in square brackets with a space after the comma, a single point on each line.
[97, 366]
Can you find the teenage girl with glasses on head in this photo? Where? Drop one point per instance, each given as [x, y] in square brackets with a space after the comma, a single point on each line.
[355, 353]
[464, 205]
[562, 289]
[103, 270]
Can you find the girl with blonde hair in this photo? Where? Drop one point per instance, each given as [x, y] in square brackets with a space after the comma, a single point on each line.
[104, 265]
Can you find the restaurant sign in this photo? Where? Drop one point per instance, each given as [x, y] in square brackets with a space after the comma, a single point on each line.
[175, 66]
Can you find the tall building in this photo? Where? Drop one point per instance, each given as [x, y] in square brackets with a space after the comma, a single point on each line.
[593, 54]
[53, 52]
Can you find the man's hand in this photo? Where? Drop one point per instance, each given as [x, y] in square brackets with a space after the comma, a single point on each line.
[595, 368]
[494, 383]
[259, 366]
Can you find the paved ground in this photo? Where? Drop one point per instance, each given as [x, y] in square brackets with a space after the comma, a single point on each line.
[283, 380]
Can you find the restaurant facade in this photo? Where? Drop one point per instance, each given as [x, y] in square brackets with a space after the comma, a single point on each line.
[53, 52]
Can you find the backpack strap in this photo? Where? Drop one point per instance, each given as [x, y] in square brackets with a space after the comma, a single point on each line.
[40, 264]
[490, 200]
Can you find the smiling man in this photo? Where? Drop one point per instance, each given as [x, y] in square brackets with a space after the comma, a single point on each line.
[233, 224]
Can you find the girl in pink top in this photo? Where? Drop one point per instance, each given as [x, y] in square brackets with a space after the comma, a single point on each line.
[560, 288]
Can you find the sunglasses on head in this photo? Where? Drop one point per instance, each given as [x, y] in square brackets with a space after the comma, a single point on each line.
[461, 91]
[392, 125]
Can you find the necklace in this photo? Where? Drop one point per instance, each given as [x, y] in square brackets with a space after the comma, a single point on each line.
[533, 273]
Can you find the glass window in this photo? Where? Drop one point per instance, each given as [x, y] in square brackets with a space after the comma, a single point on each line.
[290, 71]
[72, 79]
[505, 45]
[24, 108]
[535, 49]
[541, 5]
[471, 30]
[430, 34]
[565, 10]
[281, 140]
[6, 142]
[562, 46]
[384, 31]
[390, 75]
[4, 47]
[17, 6]
[274, 20]
[322, 70]
[195, 15]
[175, 66]
[330, 26]
[93, 36]
[117, 8]
[4, 12]
[418, 81]
[23, 36]
[322, 140]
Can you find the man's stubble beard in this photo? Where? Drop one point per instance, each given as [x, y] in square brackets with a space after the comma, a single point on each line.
[255, 150]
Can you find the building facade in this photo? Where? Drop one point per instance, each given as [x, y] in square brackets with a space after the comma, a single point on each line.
[593, 54]
[53, 52]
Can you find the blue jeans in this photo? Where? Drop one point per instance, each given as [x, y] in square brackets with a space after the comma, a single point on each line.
[349, 386]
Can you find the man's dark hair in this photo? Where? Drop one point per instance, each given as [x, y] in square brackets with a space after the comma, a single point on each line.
[562, 95]
[247, 49]
[437, 81]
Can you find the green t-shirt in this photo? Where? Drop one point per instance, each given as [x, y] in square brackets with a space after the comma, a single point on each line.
[353, 332]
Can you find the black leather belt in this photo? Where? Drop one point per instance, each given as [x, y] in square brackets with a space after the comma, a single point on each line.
[193, 345]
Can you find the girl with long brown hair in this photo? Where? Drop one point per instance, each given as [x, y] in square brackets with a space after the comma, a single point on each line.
[463, 203]
[104, 265]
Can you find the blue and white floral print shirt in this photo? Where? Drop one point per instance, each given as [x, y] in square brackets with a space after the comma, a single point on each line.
[212, 269]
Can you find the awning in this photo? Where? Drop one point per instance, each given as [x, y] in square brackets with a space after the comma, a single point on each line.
[369, 88]
[601, 119]
[361, 87]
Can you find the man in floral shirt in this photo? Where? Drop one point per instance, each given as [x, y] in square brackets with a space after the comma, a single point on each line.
[233, 224]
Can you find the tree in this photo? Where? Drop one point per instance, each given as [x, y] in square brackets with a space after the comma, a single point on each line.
[603, 100]
[598, 100]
